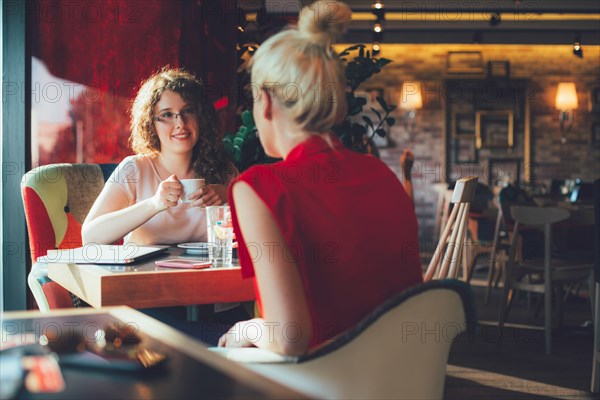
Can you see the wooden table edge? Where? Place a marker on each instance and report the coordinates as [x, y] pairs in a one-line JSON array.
[[175, 339]]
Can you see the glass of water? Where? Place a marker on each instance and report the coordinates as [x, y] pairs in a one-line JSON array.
[[220, 235]]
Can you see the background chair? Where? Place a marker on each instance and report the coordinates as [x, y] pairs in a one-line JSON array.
[[453, 237], [498, 251], [57, 198], [444, 195], [442, 208], [482, 214], [595, 295], [399, 351], [536, 275]]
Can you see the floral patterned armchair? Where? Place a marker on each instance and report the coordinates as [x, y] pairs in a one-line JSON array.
[[57, 198]]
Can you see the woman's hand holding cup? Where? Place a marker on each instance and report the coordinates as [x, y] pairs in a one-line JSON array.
[[209, 195], [168, 193], [191, 190]]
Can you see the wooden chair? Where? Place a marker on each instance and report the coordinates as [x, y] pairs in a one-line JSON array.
[[398, 351], [535, 275], [452, 239], [507, 197], [442, 209], [500, 247], [595, 294], [57, 198], [497, 256], [475, 246], [444, 195]]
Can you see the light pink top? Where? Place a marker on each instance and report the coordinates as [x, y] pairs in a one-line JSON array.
[[139, 179]]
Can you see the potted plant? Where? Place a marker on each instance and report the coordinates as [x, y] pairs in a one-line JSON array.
[[355, 132]]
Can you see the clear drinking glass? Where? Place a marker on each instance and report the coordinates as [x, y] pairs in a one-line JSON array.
[[220, 235]]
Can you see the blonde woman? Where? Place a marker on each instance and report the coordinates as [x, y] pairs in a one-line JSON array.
[[328, 234], [174, 133]]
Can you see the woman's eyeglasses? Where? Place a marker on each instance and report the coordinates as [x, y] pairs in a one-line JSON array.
[[169, 117]]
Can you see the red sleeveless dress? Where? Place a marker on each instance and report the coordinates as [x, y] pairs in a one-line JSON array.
[[348, 224]]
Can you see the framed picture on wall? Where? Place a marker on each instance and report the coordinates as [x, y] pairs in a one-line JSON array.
[[594, 103], [507, 170], [465, 151], [595, 135], [463, 125], [494, 129], [596, 95], [464, 62], [498, 69]]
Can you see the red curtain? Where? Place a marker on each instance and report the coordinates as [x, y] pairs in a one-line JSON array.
[[110, 47]]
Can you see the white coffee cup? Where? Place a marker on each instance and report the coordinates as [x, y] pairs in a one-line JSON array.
[[189, 187]]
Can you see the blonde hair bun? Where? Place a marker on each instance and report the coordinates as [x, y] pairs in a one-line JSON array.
[[324, 21]]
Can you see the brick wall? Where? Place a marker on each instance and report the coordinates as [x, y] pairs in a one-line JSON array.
[[542, 66]]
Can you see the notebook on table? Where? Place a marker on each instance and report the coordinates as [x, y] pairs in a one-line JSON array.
[[103, 254]]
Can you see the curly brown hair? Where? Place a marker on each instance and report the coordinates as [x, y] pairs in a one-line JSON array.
[[210, 160]]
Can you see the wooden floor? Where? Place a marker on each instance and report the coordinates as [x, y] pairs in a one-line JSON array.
[[488, 364]]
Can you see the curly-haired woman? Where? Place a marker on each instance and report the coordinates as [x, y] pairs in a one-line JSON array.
[[174, 133]]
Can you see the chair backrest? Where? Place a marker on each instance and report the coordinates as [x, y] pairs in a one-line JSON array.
[[445, 201], [512, 196], [452, 239], [399, 351], [57, 198], [442, 208], [542, 217], [597, 239]]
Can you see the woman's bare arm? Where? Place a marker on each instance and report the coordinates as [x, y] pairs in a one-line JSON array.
[[286, 326], [111, 217]]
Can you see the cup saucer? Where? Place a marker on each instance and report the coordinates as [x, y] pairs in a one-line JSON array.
[[195, 247]]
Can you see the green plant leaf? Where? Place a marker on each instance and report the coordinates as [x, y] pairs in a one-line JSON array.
[[360, 65], [361, 101], [247, 118], [349, 49], [382, 102], [376, 113], [380, 132], [355, 104]]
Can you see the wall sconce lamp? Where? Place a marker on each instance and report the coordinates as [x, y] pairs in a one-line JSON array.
[[566, 102], [411, 101]]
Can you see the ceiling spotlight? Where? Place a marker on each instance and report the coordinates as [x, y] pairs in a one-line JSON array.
[[377, 27], [577, 49], [376, 48], [495, 19], [377, 5]]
